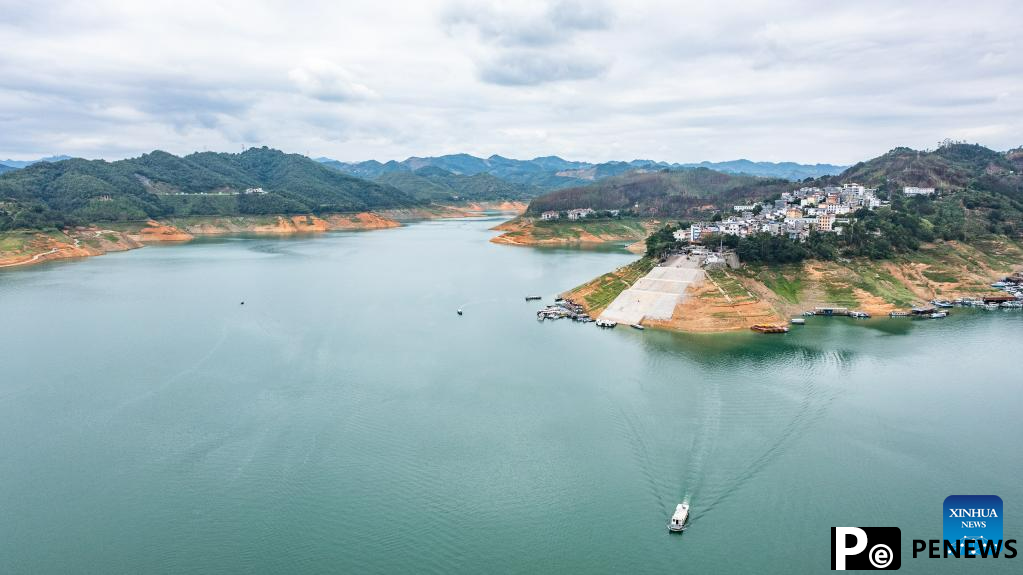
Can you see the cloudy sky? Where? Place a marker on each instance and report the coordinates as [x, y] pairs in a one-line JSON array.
[[589, 80]]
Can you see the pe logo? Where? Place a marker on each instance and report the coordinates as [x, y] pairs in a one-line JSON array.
[[866, 548], [976, 518]]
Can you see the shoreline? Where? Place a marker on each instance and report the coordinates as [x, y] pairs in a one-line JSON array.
[[528, 231], [38, 246], [735, 299]]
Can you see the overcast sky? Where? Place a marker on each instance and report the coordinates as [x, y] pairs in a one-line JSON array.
[[586, 80]]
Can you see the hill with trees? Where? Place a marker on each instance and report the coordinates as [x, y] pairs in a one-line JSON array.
[[664, 193], [435, 184], [158, 184]]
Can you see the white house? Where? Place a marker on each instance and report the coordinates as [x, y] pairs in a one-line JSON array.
[[915, 191], [579, 213], [551, 215]]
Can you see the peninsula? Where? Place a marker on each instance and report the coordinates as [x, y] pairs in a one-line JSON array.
[[937, 225]]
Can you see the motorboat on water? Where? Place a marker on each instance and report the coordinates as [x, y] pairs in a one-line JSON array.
[[677, 524], [797, 321], [637, 326], [459, 311]]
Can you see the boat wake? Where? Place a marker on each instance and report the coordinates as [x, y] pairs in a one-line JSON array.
[[813, 405]]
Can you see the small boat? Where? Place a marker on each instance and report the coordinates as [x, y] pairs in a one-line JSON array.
[[859, 314], [899, 314], [637, 326], [797, 321], [606, 323], [459, 311], [938, 314], [677, 524], [533, 297], [941, 303], [809, 313], [765, 328]]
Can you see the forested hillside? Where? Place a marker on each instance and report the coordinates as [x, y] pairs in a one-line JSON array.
[[438, 185], [257, 181], [665, 193]]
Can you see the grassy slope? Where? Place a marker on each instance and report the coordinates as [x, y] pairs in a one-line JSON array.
[[598, 293], [945, 270], [528, 231]]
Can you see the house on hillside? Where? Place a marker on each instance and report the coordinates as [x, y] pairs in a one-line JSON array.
[[550, 215], [915, 191], [579, 213]]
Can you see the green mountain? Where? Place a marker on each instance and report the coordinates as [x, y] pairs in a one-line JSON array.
[[78, 191], [979, 188], [435, 184], [952, 166], [665, 193]]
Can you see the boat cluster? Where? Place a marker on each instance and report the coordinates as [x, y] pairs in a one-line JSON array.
[[565, 308]]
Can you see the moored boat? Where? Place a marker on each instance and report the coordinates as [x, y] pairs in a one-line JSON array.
[[899, 314], [765, 328], [859, 314], [533, 297], [637, 326], [797, 321], [677, 524]]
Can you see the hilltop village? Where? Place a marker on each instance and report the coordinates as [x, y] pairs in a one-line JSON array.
[[796, 213]]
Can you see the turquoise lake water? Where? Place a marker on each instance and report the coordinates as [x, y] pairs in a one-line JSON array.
[[346, 420]]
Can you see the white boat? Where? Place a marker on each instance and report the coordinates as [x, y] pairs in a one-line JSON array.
[[938, 314], [637, 326], [678, 520], [797, 321]]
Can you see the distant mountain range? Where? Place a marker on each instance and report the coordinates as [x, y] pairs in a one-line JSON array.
[[552, 172], [433, 184], [16, 164]]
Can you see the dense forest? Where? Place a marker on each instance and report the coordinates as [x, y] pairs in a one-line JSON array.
[[77, 191]]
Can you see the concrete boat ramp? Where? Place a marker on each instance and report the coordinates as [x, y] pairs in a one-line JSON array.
[[655, 295]]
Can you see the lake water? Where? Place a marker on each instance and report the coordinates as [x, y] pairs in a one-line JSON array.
[[346, 420]]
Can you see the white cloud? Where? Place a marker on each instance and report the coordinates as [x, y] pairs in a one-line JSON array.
[[327, 81], [778, 80]]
